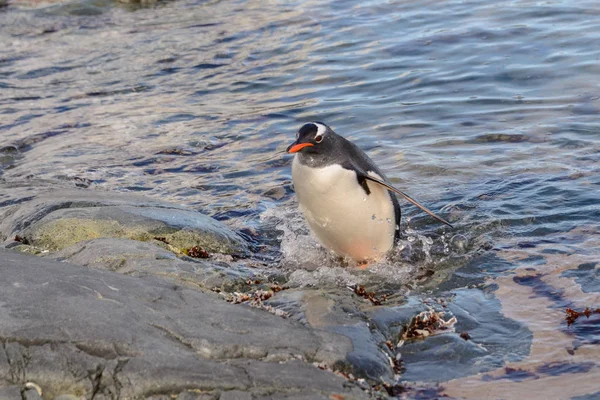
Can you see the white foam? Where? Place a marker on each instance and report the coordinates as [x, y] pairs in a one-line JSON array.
[[310, 264], [299, 249]]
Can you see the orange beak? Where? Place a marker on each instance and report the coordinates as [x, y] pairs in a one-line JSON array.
[[294, 148]]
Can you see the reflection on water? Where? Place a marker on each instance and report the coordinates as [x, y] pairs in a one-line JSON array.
[[486, 112]]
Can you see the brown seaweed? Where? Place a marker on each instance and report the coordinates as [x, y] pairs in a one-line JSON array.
[[21, 239], [572, 315], [197, 252], [371, 296], [427, 323]]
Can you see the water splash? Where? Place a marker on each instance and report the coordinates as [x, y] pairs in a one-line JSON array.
[[308, 263], [297, 247]]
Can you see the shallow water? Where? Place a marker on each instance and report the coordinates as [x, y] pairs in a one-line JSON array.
[[486, 112]]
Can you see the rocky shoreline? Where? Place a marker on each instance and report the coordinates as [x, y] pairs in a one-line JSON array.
[[79, 331], [113, 307], [117, 296]]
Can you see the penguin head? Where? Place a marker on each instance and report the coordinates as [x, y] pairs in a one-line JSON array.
[[313, 138]]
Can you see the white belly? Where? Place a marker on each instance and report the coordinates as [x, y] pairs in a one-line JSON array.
[[341, 214]]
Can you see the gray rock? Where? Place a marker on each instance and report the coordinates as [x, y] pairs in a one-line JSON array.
[[53, 218], [10, 392], [134, 258], [73, 329], [448, 356], [235, 395], [341, 313], [31, 394], [69, 397], [198, 396]]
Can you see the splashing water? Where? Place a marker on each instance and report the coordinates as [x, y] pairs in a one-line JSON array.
[[416, 257]]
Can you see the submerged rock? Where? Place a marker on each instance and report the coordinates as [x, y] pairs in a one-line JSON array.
[[51, 218]]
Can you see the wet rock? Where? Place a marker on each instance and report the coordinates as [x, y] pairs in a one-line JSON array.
[[235, 395], [501, 137], [31, 393], [8, 154], [340, 313], [53, 218], [276, 193], [197, 396], [392, 321], [448, 356], [135, 258], [10, 392], [75, 330]]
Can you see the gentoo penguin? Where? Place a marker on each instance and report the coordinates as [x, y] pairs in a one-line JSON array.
[[347, 201]]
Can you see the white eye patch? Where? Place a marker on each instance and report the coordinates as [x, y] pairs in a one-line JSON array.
[[321, 129]]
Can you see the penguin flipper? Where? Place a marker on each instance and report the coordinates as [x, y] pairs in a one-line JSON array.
[[407, 197]]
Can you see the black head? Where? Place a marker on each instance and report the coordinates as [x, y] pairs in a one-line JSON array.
[[313, 138]]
